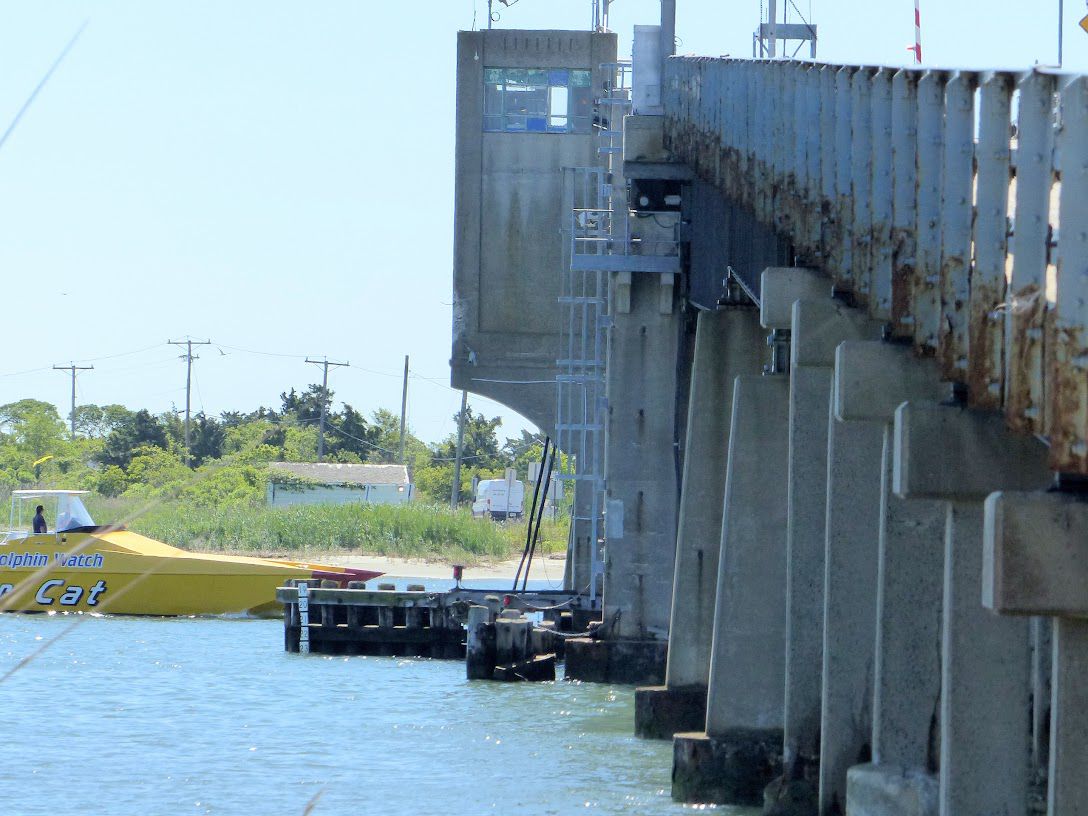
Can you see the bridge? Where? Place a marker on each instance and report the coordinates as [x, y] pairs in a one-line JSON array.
[[843, 510]]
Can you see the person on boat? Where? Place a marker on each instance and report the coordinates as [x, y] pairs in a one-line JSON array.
[[39, 520]]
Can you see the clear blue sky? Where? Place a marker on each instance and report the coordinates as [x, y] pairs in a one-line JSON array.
[[278, 177]]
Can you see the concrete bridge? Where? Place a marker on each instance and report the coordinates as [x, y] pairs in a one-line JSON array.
[[846, 442]]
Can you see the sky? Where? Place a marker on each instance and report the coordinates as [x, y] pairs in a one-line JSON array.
[[277, 177]]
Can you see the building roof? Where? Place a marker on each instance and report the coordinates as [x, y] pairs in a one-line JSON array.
[[331, 473]]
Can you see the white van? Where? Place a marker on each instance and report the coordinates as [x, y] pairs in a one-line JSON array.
[[499, 499]]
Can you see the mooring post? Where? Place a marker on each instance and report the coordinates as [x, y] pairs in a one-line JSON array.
[[480, 650], [304, 617]]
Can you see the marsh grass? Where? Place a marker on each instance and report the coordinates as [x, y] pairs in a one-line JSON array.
[[415, 530]]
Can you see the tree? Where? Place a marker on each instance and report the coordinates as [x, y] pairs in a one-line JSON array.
[[155, 471], [257, 440], [97, 421], [206, 439], [386, 425], [35, 427], [523, 451], [481, 458], [306, 407], [351, 433], [481, 444], [141, 429], [300, 444]]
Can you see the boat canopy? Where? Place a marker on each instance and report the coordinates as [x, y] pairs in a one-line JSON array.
[[64, 510]]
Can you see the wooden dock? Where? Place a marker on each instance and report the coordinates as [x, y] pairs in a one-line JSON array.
[[359, 621]]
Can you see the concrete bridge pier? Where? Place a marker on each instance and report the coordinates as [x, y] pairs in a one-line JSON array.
[[1036, 563], [728, 343], [817, 328], [739, 752], [852, 531], [641, 487], [872, 380], [958, 456]]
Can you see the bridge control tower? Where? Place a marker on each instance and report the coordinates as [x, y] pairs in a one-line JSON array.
[[525, 111]]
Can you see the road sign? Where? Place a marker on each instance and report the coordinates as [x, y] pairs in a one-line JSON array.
[[1084, 22]]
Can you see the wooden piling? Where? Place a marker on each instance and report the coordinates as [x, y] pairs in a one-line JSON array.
[[480, 650]]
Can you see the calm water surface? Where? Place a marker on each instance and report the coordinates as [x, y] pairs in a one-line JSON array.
[[132, 716]]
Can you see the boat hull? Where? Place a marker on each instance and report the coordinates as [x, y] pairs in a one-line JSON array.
[[122, 573]]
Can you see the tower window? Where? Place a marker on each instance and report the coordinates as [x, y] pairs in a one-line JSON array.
[[537, 100]]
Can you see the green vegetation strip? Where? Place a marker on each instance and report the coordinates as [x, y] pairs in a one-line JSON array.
[[404, 531]]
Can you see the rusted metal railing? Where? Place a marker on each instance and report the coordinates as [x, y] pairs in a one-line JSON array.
[[932, 199]]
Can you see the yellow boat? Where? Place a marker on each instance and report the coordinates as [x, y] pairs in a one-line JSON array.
[[84, 567]]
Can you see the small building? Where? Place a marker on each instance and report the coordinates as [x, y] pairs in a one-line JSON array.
[[332, 483]]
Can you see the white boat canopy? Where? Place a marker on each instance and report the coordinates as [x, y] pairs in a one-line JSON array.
[[65, 507]]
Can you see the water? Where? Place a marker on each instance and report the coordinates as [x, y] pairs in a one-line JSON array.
[[209, 716]]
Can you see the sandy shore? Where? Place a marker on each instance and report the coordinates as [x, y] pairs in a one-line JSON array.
[[550, 567]]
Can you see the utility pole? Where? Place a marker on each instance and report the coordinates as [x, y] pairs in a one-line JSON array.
[[188, 357], [455, 493], [324, 400], [403, 409], [73, 368]]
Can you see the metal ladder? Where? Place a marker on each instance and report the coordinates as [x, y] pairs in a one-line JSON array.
[[582, 408]]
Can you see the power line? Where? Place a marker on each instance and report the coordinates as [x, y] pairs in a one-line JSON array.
[[120, 354], [262, 353]]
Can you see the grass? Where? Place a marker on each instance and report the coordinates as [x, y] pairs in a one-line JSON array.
[[405, 531]]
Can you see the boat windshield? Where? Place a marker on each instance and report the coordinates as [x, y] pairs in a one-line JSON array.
[[63, 510]]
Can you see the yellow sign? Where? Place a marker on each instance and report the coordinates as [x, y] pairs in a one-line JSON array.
[[1084, 22]]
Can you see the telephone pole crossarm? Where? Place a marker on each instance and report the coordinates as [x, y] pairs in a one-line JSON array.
[[73, 368], [188, 357], [324, 363]]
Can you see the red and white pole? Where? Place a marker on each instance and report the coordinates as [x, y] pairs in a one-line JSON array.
[[917, 34]]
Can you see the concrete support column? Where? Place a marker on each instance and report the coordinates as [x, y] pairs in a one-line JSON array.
[[985, 684], [818, 326], [740, 750], [854, 456], [907, 680], [959, 456], [1068, 793], [641, 489], [1036, 563], [872, 379], [728, 344]]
